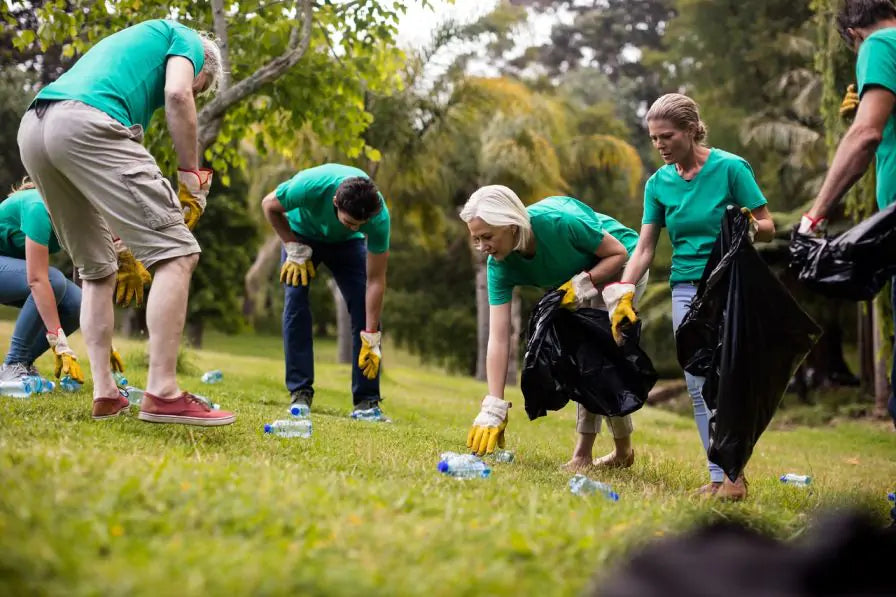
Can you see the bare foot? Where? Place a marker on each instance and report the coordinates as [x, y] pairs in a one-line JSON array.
[[614, 460], [577, 464]]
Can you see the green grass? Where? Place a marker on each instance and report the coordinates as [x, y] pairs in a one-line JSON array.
[[122, 507]]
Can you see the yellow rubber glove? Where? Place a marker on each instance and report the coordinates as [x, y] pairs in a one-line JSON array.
[[577, 290], [115, 362], [850, 103], [619, 298], [192, 191], [371, 353], [130, 280], [298, 267], [488, 427], [754, 223], [66, 361]]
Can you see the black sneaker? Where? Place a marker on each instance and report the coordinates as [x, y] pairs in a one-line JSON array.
[[301, 400], [369, 410]]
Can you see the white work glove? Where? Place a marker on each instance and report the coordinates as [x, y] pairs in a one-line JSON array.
[[488, 426], [298, 267], [619, 298], [66, 362], [577, 290], [192, 191], [813, 227]]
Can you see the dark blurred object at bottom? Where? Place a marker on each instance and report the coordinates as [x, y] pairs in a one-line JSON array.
[[844, 554]]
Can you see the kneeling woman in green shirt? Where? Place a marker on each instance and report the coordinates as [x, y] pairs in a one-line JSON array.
[[688, 196], [556, 242]]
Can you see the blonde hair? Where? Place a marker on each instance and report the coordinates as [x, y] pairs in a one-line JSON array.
[[497, 205], [213, 66], [25, 185], [681, 111]]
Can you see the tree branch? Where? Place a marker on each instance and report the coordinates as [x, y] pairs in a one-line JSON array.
[[299, 41], [221, 33]]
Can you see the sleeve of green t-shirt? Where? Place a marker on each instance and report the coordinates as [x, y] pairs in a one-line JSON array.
[[378, 230], [876, 65], [654, 212], [186, 43], [584, 234], [744, 188], [500, 289], [36, 223]]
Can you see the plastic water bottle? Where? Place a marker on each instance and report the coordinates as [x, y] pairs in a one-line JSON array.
[[798, 480], [582, 485], [68, 384], [463, 466], [19, 388], [503, 456], [41, 385], [213, 376], [120, 380], [374, 414], [289, 428], [134, 394], [208, 401], [300, 411]]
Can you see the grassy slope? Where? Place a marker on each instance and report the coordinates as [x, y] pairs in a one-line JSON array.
[[123, 507]]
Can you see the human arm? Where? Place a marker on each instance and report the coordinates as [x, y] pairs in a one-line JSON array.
[[376, 288], [37, 269], [488, 428], [275, 214], [764, 225], [642, 256], [180, 111], [854, 153]]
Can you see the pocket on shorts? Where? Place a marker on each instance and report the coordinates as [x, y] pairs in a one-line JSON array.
[[154, 195]]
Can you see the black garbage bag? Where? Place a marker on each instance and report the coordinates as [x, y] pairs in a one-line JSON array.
[[746, 335], [571, 355], [854, 265]]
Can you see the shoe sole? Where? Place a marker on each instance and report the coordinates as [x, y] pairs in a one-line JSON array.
[[181, 420], [112, 416]]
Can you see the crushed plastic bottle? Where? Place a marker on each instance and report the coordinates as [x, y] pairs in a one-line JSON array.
[[794, 479], [289, 428], [41, 385], [134, 394], [18, 388], [463, 466], [213, 376], [503, 456], [582, 485], [300, 411], [120, 380], [374, 414], [68, 384]]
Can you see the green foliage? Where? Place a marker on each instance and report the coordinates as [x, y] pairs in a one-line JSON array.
[[13, 100]]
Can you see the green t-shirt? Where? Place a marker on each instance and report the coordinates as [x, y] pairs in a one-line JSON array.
[[692, 210], [307, 198], [124, 74], [567, 233], [876, 67], [22, 215]]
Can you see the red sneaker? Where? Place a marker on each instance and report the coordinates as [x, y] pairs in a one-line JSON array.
[[185, 409], [106, 408]]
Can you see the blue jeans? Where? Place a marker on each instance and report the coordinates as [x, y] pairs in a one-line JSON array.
[[347, 261], [29, 339], [682, 297]]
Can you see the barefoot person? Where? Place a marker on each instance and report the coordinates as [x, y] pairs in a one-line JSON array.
[[48, 300], [688, 197], [323, 215], [558, 241], [869, 28], [80, 141]]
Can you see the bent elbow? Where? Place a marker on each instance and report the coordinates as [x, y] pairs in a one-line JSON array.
[[178, 97]]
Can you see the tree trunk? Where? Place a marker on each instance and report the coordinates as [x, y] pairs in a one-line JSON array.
[[866, 346], [268, 255], [134, 324], [513, 364], [881, 366], [481, 314], [343, 325], [194, 330]]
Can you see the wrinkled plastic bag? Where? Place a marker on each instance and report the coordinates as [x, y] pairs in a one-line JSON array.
[[854, 265], [571, 355], [746, 335]]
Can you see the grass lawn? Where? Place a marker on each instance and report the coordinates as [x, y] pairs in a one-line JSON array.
[[122, 507]]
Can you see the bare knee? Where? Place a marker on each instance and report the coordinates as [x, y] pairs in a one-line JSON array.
[[185, 264]]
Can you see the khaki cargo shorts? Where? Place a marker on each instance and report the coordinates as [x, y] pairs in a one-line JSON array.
[[97, 180]]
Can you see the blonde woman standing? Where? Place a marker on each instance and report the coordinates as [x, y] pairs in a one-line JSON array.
[[688, 196], [558, 241]]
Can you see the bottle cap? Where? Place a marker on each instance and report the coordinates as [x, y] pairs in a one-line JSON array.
[[443, 466], [613, 496], [267, 428]]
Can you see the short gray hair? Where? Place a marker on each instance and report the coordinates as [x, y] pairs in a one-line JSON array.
[[213, 66], [497, 205]]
